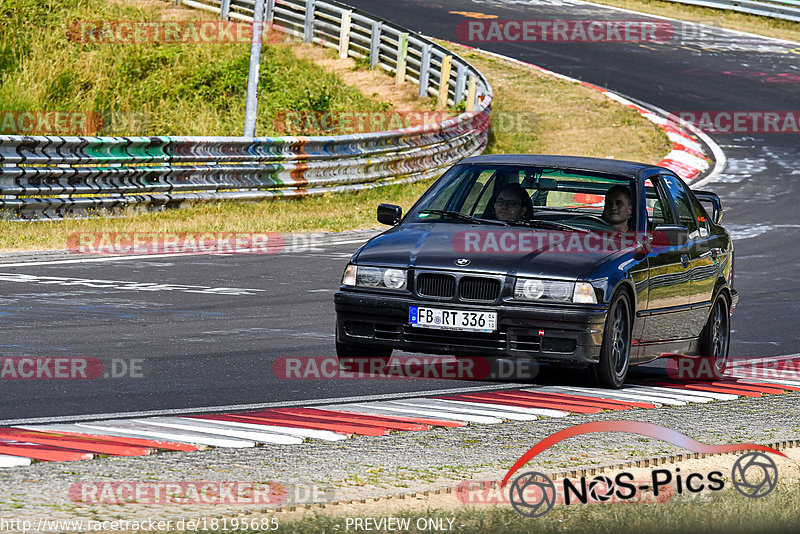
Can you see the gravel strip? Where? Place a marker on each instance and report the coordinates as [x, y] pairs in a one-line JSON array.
[[399, 463]]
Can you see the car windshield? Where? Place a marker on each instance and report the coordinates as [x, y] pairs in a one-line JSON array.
[[521, 195]]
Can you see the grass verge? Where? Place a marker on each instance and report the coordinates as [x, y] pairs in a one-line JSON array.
[[769, 27], [48, 63], [725, 513], [537, 114]]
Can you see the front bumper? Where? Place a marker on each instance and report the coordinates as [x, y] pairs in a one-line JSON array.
[[554, 333]]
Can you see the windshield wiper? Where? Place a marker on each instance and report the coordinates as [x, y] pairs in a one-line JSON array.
[[552, 224], [463, 217]]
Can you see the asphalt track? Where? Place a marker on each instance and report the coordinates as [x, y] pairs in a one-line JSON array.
[[195, 347]]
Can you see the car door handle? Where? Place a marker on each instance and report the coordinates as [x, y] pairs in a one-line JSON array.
[[685, 260]]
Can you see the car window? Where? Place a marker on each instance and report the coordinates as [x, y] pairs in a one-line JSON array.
[[557, 195], [683, 204], [701, 216], [481, 193], [659, 209]]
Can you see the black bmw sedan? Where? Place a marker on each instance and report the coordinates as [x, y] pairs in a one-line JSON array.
[[591, 263]]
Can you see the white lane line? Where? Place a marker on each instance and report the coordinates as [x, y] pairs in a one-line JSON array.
[[688, 394], [766, 373], [123, 284], [244, 407], [403, 407], [543, 412], [496, 411], [13, 461], [259, 436], [600, 394], [103, 259], [746, 362], [325, 435], [410, 411], [778, 381], [138, 428]]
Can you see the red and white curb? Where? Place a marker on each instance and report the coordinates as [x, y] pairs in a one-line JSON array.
[[22, 444], [687, 157]]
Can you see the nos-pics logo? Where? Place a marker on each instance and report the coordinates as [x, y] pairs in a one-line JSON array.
[[533, 494]]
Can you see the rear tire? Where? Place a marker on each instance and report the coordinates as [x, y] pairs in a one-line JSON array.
[[716, 335], [615, 352]]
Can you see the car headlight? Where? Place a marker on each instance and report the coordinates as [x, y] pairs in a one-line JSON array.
[[558, 290], [377, 277]]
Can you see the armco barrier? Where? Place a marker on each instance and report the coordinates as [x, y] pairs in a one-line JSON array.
[[51, 177], [780, 9]]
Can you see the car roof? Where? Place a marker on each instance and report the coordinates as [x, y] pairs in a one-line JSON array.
[[611, 166]]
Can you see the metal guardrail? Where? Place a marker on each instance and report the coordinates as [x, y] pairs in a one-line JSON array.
[[781, 9], [52, 177]]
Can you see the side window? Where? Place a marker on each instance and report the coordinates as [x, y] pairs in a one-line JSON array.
[[479, 195], [701, 215], [659, 210], [683, 204]]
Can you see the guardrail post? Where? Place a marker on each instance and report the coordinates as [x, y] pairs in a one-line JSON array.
[[472, 93], [444, 81], [461, 81], [424, 68], [224, 9], [270, 11], [402, 53], [308, 28], [375, 42], [344, 33], [251, 106]]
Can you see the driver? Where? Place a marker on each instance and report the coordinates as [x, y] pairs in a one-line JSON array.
[[513, 203], [618, 207]]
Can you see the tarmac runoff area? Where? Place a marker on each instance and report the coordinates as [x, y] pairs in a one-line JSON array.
[[397, 469]]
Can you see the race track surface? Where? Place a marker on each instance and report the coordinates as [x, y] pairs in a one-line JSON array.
[[212, 342]]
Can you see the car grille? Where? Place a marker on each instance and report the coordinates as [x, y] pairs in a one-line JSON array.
[[483, 289], [436, 285], [472, 288]]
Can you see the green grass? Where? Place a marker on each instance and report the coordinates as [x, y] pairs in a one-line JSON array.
[[548, 115], [152, 88], [725, 513], [767, 26]]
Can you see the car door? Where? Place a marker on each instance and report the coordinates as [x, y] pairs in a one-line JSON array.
[[702, 262], [668, 269]]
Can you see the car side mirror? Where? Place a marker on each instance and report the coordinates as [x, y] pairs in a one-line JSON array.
[[666, 235], [389, 214]]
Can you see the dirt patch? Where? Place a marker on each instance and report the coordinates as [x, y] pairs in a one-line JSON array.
[[403, 97]]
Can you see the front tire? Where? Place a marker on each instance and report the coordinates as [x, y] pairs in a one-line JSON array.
[[716, 335], [615, 352]]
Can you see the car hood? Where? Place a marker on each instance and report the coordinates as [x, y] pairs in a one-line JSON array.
[[439, 245]]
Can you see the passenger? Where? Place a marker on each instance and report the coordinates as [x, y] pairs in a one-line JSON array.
[[618, 207], [513, 203]]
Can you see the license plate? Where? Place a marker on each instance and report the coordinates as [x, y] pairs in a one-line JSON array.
[[472, 321]]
